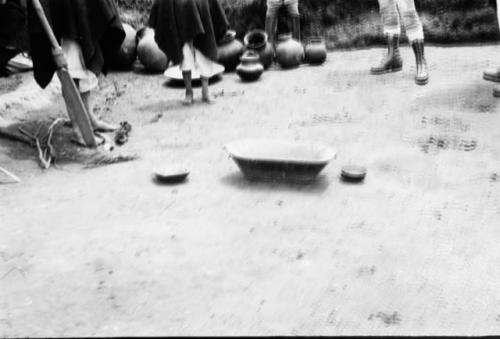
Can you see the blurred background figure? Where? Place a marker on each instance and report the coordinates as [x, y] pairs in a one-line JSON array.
[[273, 9], [12, 23], [391, 12]]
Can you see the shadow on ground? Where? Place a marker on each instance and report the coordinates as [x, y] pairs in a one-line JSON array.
[[238, 181]]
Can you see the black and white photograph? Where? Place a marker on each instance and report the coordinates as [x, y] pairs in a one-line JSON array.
[[249, 168]]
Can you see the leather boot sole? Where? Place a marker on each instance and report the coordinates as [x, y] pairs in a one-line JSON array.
[[422, 82], [387, 70], [490, 77]]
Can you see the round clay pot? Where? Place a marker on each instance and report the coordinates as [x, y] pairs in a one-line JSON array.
[[230, 50], [289, 52], [250, 68], [150, 55], [256, 40], [315, 51], [127, 53]]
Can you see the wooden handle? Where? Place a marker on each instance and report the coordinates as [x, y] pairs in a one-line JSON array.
[[57, 51], [45, 24]]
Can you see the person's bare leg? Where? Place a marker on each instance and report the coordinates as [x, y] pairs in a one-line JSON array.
[[188, 83], [97, 124], [205, 95], [296, 27]]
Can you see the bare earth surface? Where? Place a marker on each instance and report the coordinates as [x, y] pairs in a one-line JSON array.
[[413, 250]]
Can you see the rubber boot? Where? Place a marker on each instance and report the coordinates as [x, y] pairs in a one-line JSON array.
[[271, 27], [422, 75], [188, 83], [296, 27], [392, 62]]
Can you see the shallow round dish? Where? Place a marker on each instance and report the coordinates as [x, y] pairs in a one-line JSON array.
[[353, 173], [175, 73], [170, 174]]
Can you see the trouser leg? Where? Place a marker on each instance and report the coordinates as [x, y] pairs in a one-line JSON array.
[[390, 17], [411, 20], [272, 19], [293, 12]]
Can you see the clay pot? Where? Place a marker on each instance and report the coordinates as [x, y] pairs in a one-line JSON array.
[[315, 51], [289, 52], [250, 68], [127, 53], [256, 40], [150, 55], [230, 50]]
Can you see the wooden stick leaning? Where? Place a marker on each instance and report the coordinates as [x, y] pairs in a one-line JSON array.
[[9, 174], [74, 103]]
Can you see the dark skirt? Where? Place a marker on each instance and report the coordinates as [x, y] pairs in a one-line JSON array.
[[94, 24], [179, 21]]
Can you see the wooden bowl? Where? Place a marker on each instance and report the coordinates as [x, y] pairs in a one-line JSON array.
[[280, 160]]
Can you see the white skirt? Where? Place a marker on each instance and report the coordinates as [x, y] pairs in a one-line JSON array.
[[193, 59], [76, 66]]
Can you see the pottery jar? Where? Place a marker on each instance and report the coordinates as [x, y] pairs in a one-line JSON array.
[[315, 51], [230, 50], [289, 52], [257, 40], [150, 55], [250, 68], [127, 53]]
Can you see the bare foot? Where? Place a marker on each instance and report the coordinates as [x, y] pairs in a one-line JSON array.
[[188, 100], [78, 139], [208, 99], [102, 126]]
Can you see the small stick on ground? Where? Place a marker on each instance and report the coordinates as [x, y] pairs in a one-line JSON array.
[[10, 174], [104, 160], [46, 155]]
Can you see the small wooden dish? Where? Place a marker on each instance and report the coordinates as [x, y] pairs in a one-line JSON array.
[[353, 173], [171, 175]]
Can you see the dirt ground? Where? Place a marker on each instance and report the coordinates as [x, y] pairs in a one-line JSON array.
[[412, 250]]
